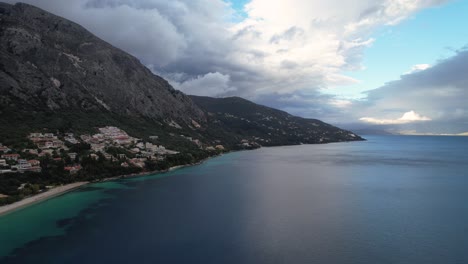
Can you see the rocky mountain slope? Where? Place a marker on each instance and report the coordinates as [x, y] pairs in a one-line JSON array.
[[267, 126], [50, 63]]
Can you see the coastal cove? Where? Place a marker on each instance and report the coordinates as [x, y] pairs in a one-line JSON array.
[[391, 197]]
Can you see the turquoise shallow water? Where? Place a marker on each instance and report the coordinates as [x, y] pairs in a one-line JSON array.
[[38, 220], [49, 218], [391, 199]]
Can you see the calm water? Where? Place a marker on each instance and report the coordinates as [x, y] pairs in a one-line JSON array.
[[390, 199]]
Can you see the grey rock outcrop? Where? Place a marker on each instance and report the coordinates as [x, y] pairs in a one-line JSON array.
[[48, 62]]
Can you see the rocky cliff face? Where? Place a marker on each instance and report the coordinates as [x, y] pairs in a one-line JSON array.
[[48, 62]]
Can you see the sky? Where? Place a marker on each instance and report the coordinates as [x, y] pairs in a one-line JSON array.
[[394, 65]]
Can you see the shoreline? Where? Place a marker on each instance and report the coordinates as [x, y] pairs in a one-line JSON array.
[[51, 193], [62, 189], [6, 209]]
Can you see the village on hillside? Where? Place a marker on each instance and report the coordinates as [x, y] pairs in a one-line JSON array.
[[111, 143], [44, 160]]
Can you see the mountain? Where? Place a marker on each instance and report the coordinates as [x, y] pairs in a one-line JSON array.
[[265, 125], [57, 76], [50, 63]]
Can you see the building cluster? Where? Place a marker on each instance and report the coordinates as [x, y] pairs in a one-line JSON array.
[[214, 148], [115, 137], [70, 138], [148, 151], [131, 151], [12, 162], [108, 136], [47, 141], [249, 144]]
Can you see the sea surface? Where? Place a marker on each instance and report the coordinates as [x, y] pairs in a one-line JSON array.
[[391, 199]]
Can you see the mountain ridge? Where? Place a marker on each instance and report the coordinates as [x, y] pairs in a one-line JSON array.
[[271, 126]]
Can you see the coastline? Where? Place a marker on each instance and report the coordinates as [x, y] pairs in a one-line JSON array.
[[5, 209], [59, 190]]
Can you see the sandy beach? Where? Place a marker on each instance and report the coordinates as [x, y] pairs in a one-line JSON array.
[[40, 197], [69, 187]]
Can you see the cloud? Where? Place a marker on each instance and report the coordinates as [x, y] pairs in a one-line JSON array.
[[280, 47], [284, 54], [341, 103], [209, 84], [440, 92], [407, 117], [158, 32], [418, 67], [288, 35], [312, 104]]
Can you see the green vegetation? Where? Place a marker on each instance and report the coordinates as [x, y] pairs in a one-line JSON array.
[[233, 119], [233, 123], [20, 185], [53, 174], [91, 166]]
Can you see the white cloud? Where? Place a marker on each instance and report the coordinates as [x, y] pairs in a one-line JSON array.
[[340, 103], [440, 92], [280, 47], [418, 67], [308, 44], [407, 117], [211, 84], [412, 116]]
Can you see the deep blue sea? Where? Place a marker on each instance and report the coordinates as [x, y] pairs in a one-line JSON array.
[[391, 199]]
